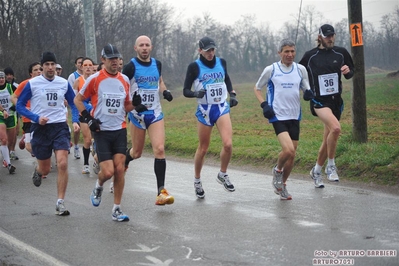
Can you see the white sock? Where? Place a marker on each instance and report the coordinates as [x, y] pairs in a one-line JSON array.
[[6, 153], [221, 174], [197, 180], [331, 161], [59, 201], [317, 168], [97, 184], [116, 207]]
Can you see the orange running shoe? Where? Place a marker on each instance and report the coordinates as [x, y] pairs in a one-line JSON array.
[[164, 198]]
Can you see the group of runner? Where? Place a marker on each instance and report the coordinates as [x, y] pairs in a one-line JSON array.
[[102, 97]]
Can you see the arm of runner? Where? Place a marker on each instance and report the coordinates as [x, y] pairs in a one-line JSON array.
[[69, 96], [24, 97], [165, 92], [191, 75]]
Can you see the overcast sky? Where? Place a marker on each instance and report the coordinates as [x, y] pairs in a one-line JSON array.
[[276, 12]]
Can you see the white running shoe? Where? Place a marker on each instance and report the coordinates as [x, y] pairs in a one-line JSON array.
[[331, 172], [96, 167], [76, 152], [13, 156], [119, 216], [317, 178], [199, 191], [284, 195], [225, 181], [60, 209], [111, 187], [86, 169], [93, 147], [277, 180]]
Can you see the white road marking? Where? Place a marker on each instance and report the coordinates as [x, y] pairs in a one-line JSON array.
[[24, 248]]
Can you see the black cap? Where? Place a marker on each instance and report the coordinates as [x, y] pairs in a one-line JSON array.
[[326, 30], [110, 51], [48, 56], [9, 71], [206, 43]]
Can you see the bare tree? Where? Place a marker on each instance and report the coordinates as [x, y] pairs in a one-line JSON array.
[[29, 27], [390, 41]]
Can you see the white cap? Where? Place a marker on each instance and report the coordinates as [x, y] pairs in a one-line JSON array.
[[58, 66]]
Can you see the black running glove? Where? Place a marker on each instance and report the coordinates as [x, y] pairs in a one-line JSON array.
[[233, 100], [136, 102], [94, 124], [199, 94], [267, 110], [140, 108], [308, 95], [167, 95]]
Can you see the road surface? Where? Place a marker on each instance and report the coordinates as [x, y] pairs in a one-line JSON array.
[[337, 225]]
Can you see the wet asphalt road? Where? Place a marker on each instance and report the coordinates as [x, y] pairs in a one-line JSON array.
[[250, 226]]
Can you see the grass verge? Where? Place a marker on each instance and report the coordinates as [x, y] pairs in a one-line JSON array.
[[254, 141]]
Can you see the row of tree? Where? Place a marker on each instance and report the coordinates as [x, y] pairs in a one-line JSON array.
[[29, 27]]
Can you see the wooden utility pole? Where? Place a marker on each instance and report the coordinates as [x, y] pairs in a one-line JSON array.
[[359, 108], [90, 35]]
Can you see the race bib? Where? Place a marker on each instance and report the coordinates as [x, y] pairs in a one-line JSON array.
[[5, 99], [216, 93], [148, 97], [51, 98], [328, 84], [113, 104], [5, 103]]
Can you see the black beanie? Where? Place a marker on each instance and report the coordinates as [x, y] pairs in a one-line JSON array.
[[48, 56], [9, 71]]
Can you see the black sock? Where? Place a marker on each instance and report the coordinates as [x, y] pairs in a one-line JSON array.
[[160, 169], [86, 155], [128, 157]]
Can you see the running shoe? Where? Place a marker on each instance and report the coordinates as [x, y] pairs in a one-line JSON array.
[[225, 181], [96, 167], [199, 191], [93, 147], [277, 180], [128, 159], [331, 172], [11, 168], [111, 187], [119, 216], [76, 152], [164, 198], [284, 195], [86, 169], [36, 178], [95, 196], [13, 156], [317, 178], [60, 209]]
